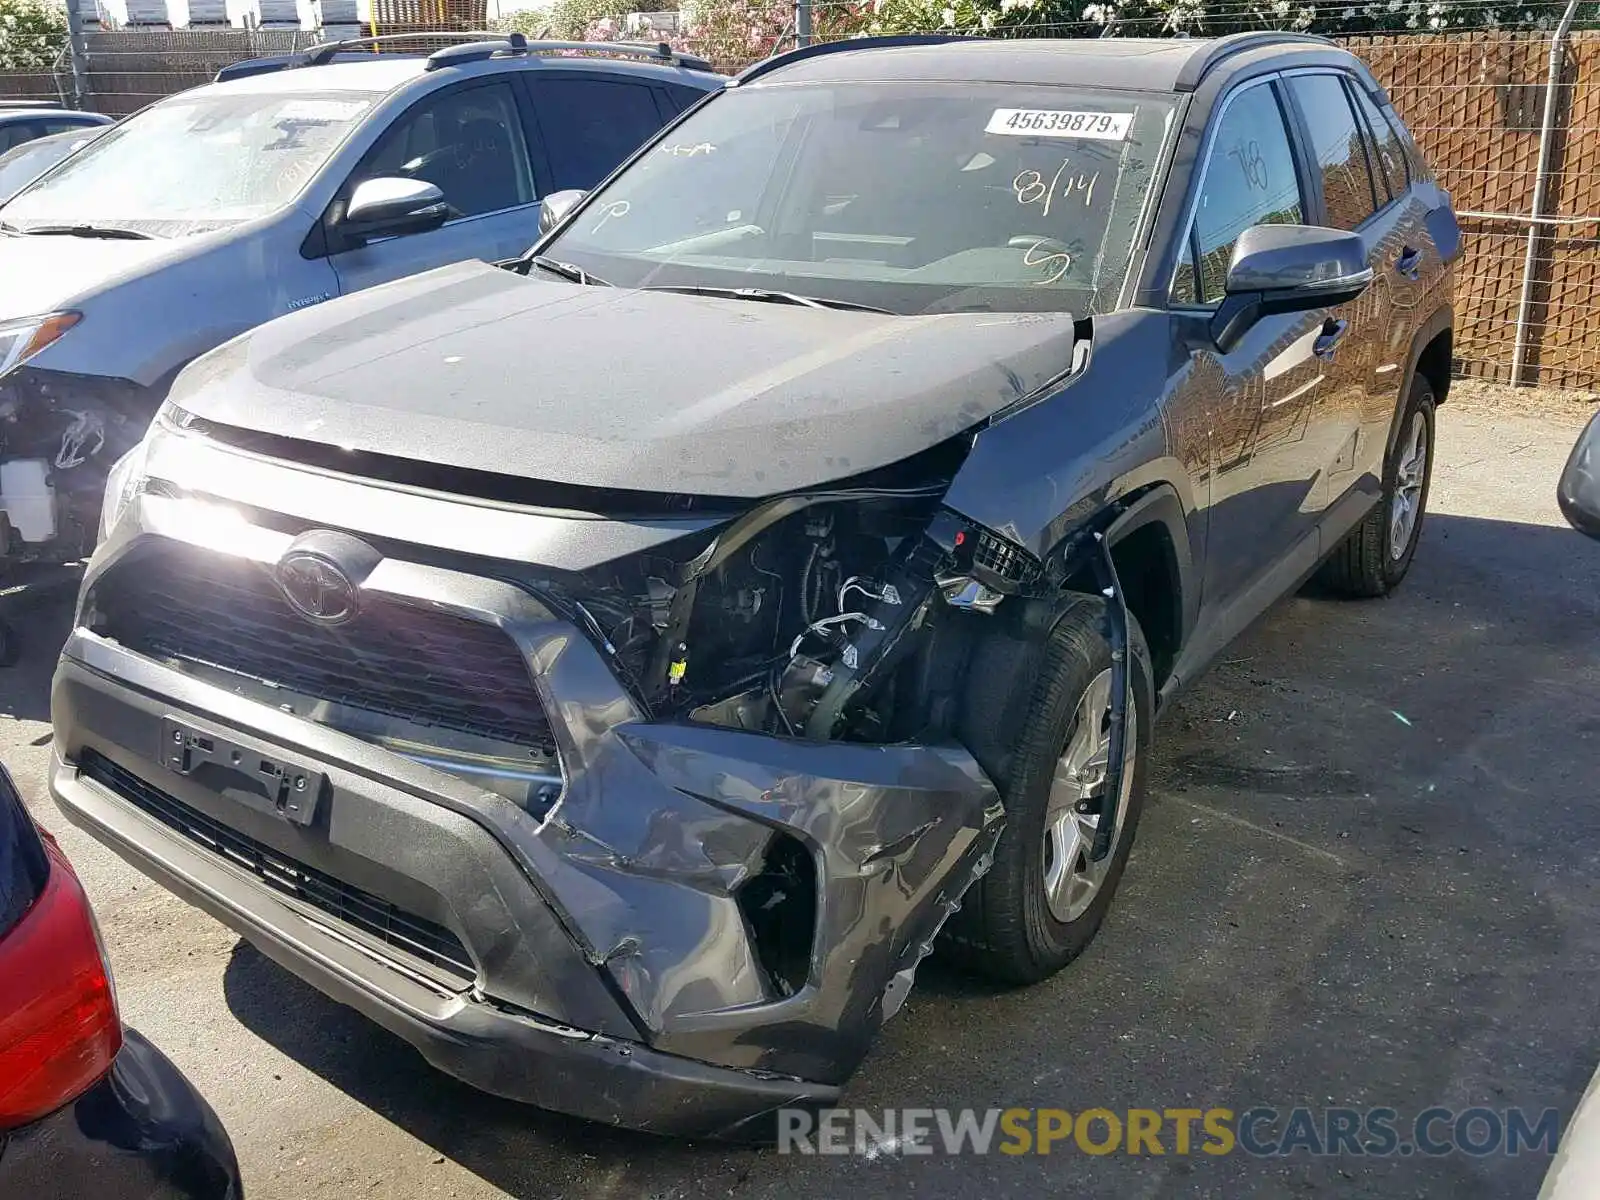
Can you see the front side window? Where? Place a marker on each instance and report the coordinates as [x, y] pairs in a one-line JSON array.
[[468, 144], [908, 197], [195, 162], [1336, 144], [1249, 180]]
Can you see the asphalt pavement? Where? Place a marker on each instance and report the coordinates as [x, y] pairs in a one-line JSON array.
[[1366, 877]]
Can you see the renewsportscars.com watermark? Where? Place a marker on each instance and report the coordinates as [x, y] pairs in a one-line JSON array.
[[1261, 1131]]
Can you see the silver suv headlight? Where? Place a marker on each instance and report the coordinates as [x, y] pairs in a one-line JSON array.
[[123, 482], [21, 339]]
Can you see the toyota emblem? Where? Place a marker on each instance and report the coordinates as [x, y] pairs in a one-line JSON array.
[[316, 588]]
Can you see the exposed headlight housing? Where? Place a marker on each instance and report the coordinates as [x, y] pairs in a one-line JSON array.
[[21, 339], [123, 482]]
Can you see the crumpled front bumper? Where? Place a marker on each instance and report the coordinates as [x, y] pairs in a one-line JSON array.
[[615, 974]]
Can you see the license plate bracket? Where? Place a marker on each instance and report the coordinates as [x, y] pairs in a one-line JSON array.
[[262, 779]]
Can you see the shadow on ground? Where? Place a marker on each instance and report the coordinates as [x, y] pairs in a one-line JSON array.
[[42, 629]]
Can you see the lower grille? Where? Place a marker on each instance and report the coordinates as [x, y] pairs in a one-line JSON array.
[[427, 668], [351, 906]]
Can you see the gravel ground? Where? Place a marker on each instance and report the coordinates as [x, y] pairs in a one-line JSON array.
[[1366, 877]]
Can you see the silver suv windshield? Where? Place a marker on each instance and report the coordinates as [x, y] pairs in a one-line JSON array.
[[910, 197], [194, 163]]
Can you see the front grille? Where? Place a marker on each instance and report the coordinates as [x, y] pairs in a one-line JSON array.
[[351, 906], [429, 668]]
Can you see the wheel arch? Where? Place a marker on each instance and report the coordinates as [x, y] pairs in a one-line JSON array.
[[1150, 547], [1430, 355]]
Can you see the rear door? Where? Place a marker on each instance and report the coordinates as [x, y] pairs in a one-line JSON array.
[[1352, 195], [1410, 259], [470, 141], [589, 123]]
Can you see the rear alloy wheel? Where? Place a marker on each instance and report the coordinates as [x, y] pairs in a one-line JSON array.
[[1038, 719], [1375, 556]]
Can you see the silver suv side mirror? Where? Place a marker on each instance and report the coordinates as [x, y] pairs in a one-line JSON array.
[[556, 206], [1578, 493], [1288, 268], [389, 206]]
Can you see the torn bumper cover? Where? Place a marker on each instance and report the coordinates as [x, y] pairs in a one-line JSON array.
[[708, 925]]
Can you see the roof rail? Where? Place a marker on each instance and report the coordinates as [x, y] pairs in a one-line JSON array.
[[255, 66], [11, 105], [766, 65], [658, 52], [1209, 54], [451, 56], [323, 53]]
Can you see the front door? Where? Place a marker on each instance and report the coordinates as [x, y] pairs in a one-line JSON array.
[[1262, 394], [469, 141]]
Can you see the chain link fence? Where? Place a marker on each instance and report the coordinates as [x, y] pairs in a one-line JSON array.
[[1528, 288]]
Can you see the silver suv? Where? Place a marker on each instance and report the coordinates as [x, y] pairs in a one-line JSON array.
[[233, 203]]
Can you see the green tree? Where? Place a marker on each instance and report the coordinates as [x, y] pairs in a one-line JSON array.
[[32, 34], [1210, 18]]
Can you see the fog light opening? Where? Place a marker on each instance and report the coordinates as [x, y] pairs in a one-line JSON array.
[[779, 906]]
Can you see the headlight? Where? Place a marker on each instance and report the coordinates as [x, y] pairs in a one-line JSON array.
[[21, 340], [122, 485]]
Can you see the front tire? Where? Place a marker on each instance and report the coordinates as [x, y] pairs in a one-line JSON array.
[[1375, 556], [1036, 718]]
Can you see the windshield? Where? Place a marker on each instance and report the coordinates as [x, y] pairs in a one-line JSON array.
[[907, 197], [21, 166], [194, 163]]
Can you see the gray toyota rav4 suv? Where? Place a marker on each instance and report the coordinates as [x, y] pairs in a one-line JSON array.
[[616, 670]]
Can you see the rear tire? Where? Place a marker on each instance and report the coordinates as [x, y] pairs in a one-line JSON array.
[[1024, 720], [1375, 556]]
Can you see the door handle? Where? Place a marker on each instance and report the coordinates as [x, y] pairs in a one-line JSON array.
[[1409, 264], [1332, 334]]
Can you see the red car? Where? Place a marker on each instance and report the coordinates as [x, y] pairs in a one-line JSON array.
[[87, 1106]]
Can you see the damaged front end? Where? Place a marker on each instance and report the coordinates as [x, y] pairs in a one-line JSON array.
[[59, 436], [716, 736]]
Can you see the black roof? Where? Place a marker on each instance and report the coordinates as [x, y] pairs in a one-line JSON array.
[[1139, 64]]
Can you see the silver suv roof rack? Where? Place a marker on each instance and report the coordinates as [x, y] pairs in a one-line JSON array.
[[517, 44], [323, 53], [476, 45]]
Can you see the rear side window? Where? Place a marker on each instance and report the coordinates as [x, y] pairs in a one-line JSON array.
[[591, 125], [680, 98], [1249, 180], [1336, 144], [23, 866], [1390, 151]]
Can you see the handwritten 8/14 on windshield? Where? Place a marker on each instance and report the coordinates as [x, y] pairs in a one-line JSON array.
[[1031, 188]]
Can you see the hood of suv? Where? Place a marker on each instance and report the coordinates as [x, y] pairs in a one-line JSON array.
[[41, 274], [475, 367]]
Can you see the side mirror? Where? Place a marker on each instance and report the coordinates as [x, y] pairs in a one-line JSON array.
[[556, 206], [390, 206], [1578, 493], [1288, 268]]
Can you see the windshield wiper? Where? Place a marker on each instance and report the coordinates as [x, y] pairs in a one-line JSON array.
[[8, 227], [566, 270], [768, 296], [88, 231]]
